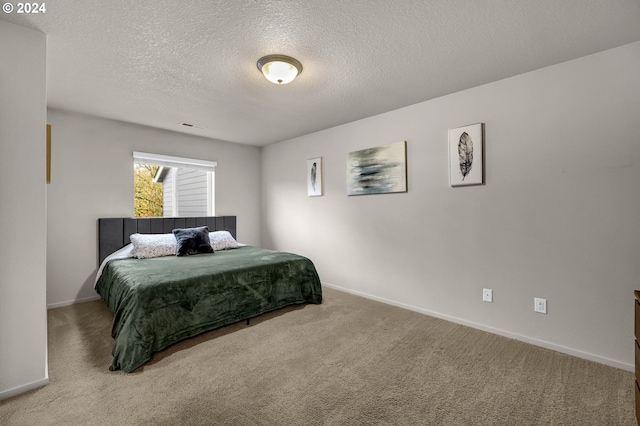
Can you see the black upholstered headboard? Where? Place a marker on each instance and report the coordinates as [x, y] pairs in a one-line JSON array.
[[113, 233]]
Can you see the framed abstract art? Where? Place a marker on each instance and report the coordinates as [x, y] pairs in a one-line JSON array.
[[378, 170]]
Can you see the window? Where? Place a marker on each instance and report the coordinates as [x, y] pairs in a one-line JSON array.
[[173, 186]]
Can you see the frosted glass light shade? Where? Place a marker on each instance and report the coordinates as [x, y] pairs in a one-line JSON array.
[[279, 69]]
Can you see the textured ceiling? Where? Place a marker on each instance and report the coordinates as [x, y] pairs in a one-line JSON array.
[[160, 63]]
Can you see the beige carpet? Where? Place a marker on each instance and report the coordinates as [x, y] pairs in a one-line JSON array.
[[349, 361]]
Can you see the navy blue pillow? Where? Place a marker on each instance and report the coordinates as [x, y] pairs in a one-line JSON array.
[[192, 241]]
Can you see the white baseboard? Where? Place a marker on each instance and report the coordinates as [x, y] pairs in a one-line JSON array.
[[72, 302], [24, 388], [542, 343]]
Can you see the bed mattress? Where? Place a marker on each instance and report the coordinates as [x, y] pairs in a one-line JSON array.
[[159, 301]]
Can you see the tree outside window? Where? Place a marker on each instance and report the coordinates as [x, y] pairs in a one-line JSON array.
[[148, 195]]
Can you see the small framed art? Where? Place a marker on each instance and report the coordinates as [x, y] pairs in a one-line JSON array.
[[48, 155], [466, 155], [314, 177]]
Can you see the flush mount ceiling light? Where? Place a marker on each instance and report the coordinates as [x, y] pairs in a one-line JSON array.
[[279, 69]]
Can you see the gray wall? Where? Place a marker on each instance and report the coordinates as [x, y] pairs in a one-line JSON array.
[[557, 218], [23, 208], [92, 177]]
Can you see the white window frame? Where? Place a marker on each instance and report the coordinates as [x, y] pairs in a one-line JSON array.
[[182, 162]]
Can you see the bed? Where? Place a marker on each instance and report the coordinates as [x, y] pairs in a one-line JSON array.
[[159, 301]]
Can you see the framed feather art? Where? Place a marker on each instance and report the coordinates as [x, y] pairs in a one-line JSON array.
[[314, 177], [466, 155]]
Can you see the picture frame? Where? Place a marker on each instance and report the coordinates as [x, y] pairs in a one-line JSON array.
[[378, 170], [48, 154], [314, 177], [466, 155]]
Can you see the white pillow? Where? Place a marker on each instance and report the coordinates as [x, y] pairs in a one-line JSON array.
[[153, 245], [222, 240]]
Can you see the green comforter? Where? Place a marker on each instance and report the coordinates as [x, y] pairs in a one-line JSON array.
[[160, 301]]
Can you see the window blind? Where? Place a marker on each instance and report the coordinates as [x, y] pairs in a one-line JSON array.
[[171, 161]]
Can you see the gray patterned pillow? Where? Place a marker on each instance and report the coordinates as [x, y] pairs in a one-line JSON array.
[[146, 246], [222, 240]]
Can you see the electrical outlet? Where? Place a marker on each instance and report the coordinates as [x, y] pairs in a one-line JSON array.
[[540, 305], [487, 295]]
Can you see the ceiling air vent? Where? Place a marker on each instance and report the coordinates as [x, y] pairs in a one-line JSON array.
[[193, 126]]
